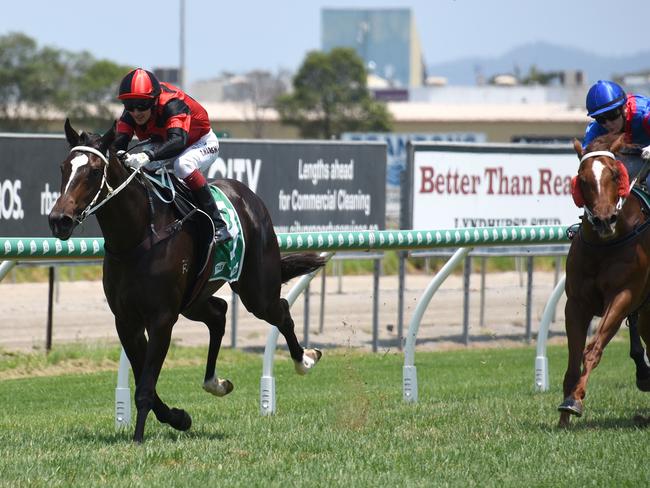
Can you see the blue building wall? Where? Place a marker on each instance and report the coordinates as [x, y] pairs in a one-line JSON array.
[[382, 38]]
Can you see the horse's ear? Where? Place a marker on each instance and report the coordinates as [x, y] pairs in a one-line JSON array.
[[618, 143], [71, 134], [578, 147], [107, 139]]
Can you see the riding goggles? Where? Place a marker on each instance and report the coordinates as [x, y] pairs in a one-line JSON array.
[[607, 116], [138, 104]]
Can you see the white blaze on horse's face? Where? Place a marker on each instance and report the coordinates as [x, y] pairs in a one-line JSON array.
[[76, 163], [597, 168]]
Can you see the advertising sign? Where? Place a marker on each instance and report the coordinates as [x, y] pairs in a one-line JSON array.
[[490, 186], [311, 185], [306, 185]]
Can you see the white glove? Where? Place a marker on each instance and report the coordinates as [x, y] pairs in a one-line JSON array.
[[645, 152], [120, 153], [136, 161]]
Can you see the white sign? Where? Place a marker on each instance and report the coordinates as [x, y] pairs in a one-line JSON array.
[[492, 189]]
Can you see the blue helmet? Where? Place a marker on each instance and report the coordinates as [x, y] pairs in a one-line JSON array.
[[604, 96]]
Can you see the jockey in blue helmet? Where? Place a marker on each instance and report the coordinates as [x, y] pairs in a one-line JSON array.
[[615, 111]]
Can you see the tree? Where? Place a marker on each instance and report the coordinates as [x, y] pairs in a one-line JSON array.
[[41, 79], [331, 97], [262, 88], [538, 77]]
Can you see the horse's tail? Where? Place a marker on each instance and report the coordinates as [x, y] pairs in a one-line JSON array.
[[298, 264]]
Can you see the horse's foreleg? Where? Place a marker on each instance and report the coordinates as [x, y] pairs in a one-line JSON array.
[[212, 312], [145, 391], [638, 355], [607, 328], [577, 325], [134, 343]]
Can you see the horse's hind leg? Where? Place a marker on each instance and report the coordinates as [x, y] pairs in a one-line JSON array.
[[212, 312], [278, 314], [638, 355]]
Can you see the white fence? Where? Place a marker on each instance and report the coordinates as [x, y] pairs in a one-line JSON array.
[[13, 250]]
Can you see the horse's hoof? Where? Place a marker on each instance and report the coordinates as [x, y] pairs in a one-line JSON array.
[[180, 419], [218, 387], [641, 421], [564, 420], [309, 359], [572, 406], [643, 384]]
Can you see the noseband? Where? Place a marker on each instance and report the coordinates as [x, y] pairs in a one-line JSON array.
[[91, 208]]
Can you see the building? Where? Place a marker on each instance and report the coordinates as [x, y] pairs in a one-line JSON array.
[[386, 39]]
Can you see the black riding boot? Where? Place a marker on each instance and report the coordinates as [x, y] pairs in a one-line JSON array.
[[209, 206]]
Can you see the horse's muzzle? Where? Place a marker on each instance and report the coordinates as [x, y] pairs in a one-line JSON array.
[[605, 227], [61, 225]]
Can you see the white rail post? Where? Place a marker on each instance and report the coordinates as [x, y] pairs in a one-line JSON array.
[[541, 360], [123, 394], [5, 267], [409, 372], [267, 381]]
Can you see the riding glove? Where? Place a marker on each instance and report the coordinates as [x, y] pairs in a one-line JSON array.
[[645, 152], [136, 161]]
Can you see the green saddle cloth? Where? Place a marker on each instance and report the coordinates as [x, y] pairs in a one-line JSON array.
[[642, 194], [228, 256]]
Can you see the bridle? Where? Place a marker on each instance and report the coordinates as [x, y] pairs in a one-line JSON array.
[[621, 199], [92, 206]]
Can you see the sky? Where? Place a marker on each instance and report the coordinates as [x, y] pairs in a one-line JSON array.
[[242, 35]]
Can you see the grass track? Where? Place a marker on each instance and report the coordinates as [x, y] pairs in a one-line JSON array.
[[478, 423]]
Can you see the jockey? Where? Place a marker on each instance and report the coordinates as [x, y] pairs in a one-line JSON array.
[[179, 126], [615, 111]]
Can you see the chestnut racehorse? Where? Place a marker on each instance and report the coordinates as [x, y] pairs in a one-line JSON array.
[[147, 280], [607, 270]]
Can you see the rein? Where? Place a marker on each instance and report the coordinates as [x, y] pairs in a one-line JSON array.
[[636, 232], [92, 208]]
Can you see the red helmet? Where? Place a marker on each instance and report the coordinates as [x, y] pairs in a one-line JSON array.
[[139, 83]]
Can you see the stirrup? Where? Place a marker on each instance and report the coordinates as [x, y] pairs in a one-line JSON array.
[[572, 231], [221, 235]]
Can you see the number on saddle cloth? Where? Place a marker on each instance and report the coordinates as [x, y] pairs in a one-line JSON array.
[[228, 256]]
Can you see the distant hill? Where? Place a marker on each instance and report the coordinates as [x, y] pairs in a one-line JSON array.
[[546, 57]]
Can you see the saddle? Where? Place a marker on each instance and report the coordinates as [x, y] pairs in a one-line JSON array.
[[227, 256]]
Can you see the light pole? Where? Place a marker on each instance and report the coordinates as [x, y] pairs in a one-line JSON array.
[[181, 67]]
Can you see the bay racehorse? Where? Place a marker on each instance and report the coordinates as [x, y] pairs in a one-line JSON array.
[[151, 266], [607, 269]]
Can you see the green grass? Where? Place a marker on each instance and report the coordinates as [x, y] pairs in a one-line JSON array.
[[478, 423]]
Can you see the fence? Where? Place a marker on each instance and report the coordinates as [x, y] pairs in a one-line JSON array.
[[17, 249]]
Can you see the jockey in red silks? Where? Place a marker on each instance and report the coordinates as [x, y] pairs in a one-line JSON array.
[[180, 129]]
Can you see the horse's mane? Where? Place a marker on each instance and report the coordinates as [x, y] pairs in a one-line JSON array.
[[88, 139], [604, 142]]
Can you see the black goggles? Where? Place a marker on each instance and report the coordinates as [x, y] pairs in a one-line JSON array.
[[607, 116], [137, 104]]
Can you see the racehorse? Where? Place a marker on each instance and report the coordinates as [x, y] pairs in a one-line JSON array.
[[151, 265], [607, 269]]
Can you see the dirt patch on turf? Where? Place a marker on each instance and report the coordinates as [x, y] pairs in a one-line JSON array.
[[80, 313]]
